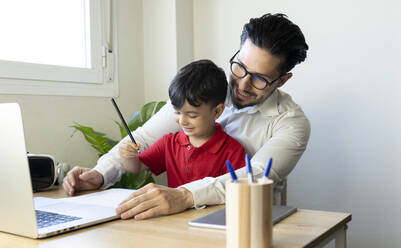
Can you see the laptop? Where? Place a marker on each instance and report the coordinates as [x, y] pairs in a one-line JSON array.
[[218, 219], [17, 209]]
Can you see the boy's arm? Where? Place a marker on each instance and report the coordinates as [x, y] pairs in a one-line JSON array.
[[129, 154], [134, 165], [153, 157]]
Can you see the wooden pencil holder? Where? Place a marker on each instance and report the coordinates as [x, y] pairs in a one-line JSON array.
[[249, 214]]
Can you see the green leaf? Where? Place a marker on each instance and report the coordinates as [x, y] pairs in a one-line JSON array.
[[140, 117], [147, 111], [159, 105], [123, 132], [134, 181], [111, 142], [95, 139], [135, 121], [103, 144]]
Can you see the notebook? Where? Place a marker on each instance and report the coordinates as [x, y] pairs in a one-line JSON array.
[[19, 212], [218, 219]]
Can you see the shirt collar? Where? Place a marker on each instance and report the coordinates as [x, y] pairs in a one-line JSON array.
[[182, 139], [213, 145], [267, 108]]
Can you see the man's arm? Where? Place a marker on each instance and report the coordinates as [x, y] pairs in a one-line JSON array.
[[110, 164], [153, 200], [109, 168], [289, 140], [286, 145]]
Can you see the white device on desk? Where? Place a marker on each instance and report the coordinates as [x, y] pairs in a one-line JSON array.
[[17, 208]]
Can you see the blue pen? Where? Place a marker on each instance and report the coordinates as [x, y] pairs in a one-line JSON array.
[[249, 168], [232, 172], [267, 170]]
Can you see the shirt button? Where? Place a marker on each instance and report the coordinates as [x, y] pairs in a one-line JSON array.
[[188, 148], [190, 159], [188, 170]]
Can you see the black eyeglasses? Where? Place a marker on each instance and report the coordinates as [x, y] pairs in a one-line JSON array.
[[257, 80]]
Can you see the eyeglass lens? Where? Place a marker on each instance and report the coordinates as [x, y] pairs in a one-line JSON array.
[[239, 71]]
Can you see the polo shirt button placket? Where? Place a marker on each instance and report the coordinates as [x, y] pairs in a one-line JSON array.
[[188, 170]]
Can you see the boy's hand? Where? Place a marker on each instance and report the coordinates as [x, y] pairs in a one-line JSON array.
[[129, 150], [129, 153]]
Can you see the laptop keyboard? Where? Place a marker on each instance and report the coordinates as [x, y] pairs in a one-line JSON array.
[[46, 219]]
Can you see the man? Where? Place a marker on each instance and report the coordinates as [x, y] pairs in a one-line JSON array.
[[262, 118]]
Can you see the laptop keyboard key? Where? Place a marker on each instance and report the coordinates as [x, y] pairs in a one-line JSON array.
[[46, 219]]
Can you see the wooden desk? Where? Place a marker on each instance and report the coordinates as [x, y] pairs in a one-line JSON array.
[[305, 228]]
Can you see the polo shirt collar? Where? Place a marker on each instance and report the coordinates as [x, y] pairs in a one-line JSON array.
[[213, 145], [267, 108]]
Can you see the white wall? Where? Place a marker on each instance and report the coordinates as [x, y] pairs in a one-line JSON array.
[[47, 118], [168, 43], [159, 47], [350, 88]]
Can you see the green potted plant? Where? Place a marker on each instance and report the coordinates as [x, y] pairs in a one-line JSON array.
[[103, 144]]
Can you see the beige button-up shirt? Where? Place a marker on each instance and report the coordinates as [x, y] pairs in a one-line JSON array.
[[276, 128]]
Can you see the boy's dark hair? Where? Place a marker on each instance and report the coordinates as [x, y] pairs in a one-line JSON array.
[[198, 82], [279, 36]]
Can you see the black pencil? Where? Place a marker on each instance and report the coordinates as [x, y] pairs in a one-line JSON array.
[[122, 120]]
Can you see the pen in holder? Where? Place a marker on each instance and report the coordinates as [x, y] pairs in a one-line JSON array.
[[249, 214]]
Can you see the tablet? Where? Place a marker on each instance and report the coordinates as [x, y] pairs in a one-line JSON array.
[[218, 219]]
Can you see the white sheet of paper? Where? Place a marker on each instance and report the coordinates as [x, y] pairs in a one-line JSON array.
[[43, 201], [106, 198]]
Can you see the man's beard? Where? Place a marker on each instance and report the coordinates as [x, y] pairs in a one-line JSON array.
[[237, 102]]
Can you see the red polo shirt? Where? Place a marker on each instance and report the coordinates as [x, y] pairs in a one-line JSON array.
[[185, 163]]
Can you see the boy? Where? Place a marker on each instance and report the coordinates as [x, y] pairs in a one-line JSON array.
[[197, 93]]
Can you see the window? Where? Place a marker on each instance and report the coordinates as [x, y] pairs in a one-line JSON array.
[[63, 47]]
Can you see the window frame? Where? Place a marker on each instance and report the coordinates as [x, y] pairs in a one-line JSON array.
[[99, 80]]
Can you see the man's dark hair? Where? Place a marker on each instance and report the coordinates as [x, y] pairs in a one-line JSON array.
[[279, 36], [198, 82]]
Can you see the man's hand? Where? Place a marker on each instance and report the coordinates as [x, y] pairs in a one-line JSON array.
[[79, 179], [152, 200]]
